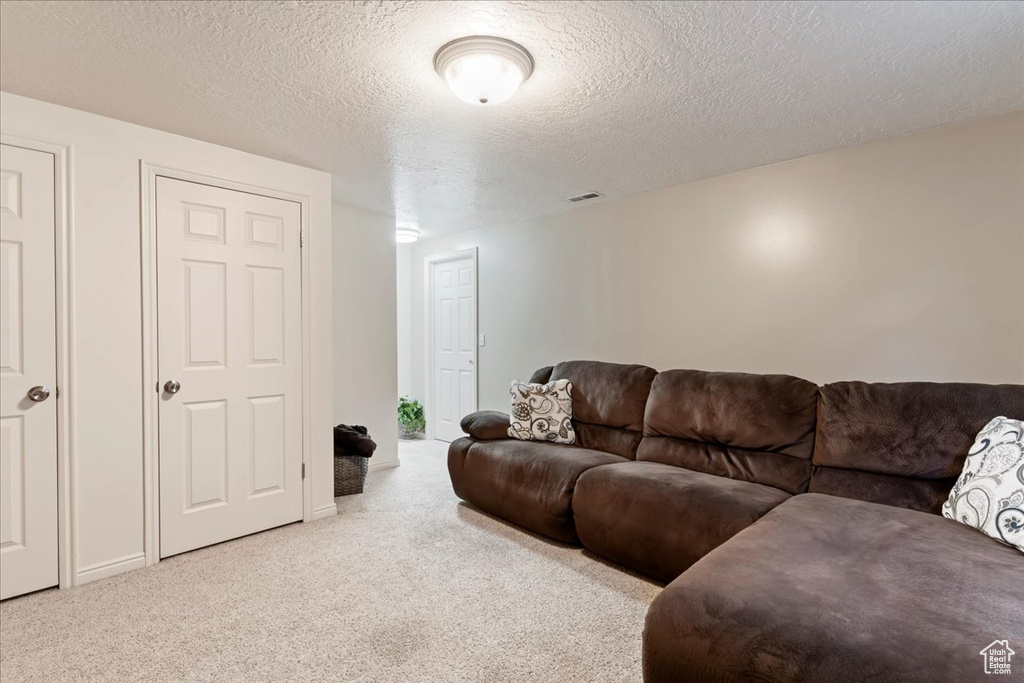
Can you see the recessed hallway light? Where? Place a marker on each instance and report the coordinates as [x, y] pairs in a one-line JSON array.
[[406, 233]]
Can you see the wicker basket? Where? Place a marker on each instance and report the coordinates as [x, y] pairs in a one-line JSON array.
[[349, 474]]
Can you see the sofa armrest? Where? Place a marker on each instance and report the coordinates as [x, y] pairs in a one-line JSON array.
[[487, 425]]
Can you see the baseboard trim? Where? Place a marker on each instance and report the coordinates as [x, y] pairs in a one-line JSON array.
[[105, 569], [324, 512], [376, 465]]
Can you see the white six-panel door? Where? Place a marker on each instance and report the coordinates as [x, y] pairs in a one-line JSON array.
[[28, 373], [454, 347], [229, 319]]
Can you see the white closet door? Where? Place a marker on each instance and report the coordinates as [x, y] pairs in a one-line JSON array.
[[229, 318], [28, 373], [455, 340]]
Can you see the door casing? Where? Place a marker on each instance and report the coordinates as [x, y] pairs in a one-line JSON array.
[[149, 172], [62, 155], [428, 308]]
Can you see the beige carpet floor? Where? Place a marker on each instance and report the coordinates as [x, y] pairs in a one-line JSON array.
[[405, 584]]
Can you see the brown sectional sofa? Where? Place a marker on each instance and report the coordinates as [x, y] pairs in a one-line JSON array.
[[797, 527]]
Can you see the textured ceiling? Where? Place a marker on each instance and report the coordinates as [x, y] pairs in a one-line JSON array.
[[626, 97]]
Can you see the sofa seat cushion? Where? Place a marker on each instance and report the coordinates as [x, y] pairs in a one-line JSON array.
[[529, 483], [824, 588], [658, 519]]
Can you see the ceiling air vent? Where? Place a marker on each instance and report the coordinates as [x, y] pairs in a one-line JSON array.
[[586, 196]]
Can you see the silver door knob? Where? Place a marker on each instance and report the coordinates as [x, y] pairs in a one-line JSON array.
[[172, 387], [38, 394]]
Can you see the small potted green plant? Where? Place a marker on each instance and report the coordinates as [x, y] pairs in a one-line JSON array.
[[410, 418]]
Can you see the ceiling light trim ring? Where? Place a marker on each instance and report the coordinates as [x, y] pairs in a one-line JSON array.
[[490, 45], [406, 234]]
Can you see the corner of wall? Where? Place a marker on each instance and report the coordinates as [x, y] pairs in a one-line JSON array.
[[365, 327]]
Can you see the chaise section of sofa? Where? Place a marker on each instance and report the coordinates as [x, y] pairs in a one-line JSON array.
[[531, 483], [861, 580], [719, 450], [826, 589]]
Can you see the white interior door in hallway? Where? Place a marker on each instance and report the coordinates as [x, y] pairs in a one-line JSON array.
[[453, 292], [229, 362], [28, 373]]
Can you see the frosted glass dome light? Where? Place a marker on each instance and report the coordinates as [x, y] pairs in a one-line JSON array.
[[482, 69]]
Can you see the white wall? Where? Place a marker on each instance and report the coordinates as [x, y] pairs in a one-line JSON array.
[[403, 284], [896, 260], [106, 392], [365, 372]]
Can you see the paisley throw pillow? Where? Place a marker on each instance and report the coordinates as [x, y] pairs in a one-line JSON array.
[[542, 412], [989, 495]]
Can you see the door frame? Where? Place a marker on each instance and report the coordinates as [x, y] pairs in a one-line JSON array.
[[149, 171], [428, 274], [67, 568]]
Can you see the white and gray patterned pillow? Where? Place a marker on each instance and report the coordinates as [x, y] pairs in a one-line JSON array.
[[542, 412], [989, 495]]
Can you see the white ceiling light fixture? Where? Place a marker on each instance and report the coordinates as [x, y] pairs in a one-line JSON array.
[[483, 69], [406, 233]]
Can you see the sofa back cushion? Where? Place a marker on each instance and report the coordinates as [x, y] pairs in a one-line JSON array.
[[608, 402], [902, 444], [757, 428], [541, 375]]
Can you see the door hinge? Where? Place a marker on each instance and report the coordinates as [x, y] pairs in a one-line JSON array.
[[301, 239], [303, 470]]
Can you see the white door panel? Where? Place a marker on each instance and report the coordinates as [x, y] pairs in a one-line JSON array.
[[229, 307], [455, 339], [28, 352]]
